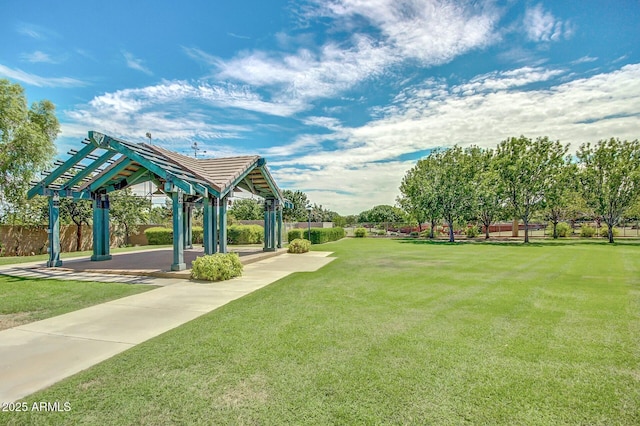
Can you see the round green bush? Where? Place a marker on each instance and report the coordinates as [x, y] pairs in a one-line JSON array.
[[216, 267], [563, 230], [360, 232], [299, 246], [472, 231], [587, 231]]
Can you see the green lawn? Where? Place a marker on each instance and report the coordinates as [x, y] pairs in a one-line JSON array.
[[24, 300], [393, 332]]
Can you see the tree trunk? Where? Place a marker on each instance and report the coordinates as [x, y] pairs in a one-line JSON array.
[[486, 232], [432, 232], [79, 237], [526, 231], [451, 236], [555, 230]]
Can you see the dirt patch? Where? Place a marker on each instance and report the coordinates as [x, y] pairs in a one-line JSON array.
[[14, 320], [245, 393]]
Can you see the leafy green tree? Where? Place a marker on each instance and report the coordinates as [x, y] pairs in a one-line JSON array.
[[560, 196], [127, 211], [79, 212], [610, 178], [247, 209], [26, 142], [299, 212], [382, 213], [454, 177], [488, 200], [523, 167], [419, 193]]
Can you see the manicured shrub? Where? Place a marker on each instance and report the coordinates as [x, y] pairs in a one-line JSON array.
[[299, 246], [245, 234], [159, 235], [295, 233], [197, 234], [472, 231], [216, 267], [324, 235], [587, 231], [414, 234], [360, 232], [563, 229]]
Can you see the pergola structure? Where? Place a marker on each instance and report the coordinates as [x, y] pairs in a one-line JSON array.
[[106, 164]]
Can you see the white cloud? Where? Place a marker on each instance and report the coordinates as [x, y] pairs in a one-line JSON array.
[[439, 115], [136, 64], [543, 26], [431, 32], [36, 80], [38, 57]]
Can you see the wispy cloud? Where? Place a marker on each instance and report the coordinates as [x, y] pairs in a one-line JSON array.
[[36, 80], [431, 32], [135, 63], [38, 57], [436, 114], [541, 25]]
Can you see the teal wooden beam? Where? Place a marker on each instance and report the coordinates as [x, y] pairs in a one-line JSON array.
[[178, 232], [65, 167], [109, 174], [54, 232], [188, 231], [223, 224], [214, 225], [207, 225], [89, 169], [279, 218], [101, 234]]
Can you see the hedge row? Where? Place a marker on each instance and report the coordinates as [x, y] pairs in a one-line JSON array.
[[161, 236], [318, 235], [245, 234]]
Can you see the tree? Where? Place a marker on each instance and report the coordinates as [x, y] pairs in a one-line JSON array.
[[524, 167], [26, 141], [127, 211], [299, 212], [610, 178], [79, 212], [382, 213], [247, 209], [419, 193], [486, 200], [454, 177], [560, 197]]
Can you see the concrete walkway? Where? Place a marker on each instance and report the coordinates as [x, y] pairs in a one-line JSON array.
[[36, 355]]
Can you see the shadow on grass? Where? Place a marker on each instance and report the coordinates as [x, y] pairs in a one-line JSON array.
[[520, 243]]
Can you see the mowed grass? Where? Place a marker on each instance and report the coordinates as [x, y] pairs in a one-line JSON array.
[[393, 332], [24, 300]]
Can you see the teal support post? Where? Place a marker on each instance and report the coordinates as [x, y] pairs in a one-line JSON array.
[[101, 236], [272, 227], [207, 225], [54, 231], [279, 232], [214, 225], [266, 228], [223, 224], [188, 231], [178, 232]]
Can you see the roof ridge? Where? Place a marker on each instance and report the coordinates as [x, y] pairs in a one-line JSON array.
[[159, 150]]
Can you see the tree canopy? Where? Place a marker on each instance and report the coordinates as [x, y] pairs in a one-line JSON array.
[[26, 142]]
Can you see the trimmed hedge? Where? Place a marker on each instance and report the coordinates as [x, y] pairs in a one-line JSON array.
[[318, 235], [216, 267], [296, 234], [299, 246], [245, 234], [159, 235]]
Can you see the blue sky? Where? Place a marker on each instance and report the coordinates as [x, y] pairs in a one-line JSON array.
[[341, 96]]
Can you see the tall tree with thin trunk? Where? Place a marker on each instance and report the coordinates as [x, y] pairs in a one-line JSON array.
[[26, 142], [526, 168], [610, 178]]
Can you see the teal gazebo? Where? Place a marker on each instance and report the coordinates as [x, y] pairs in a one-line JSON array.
[[106, 164]]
